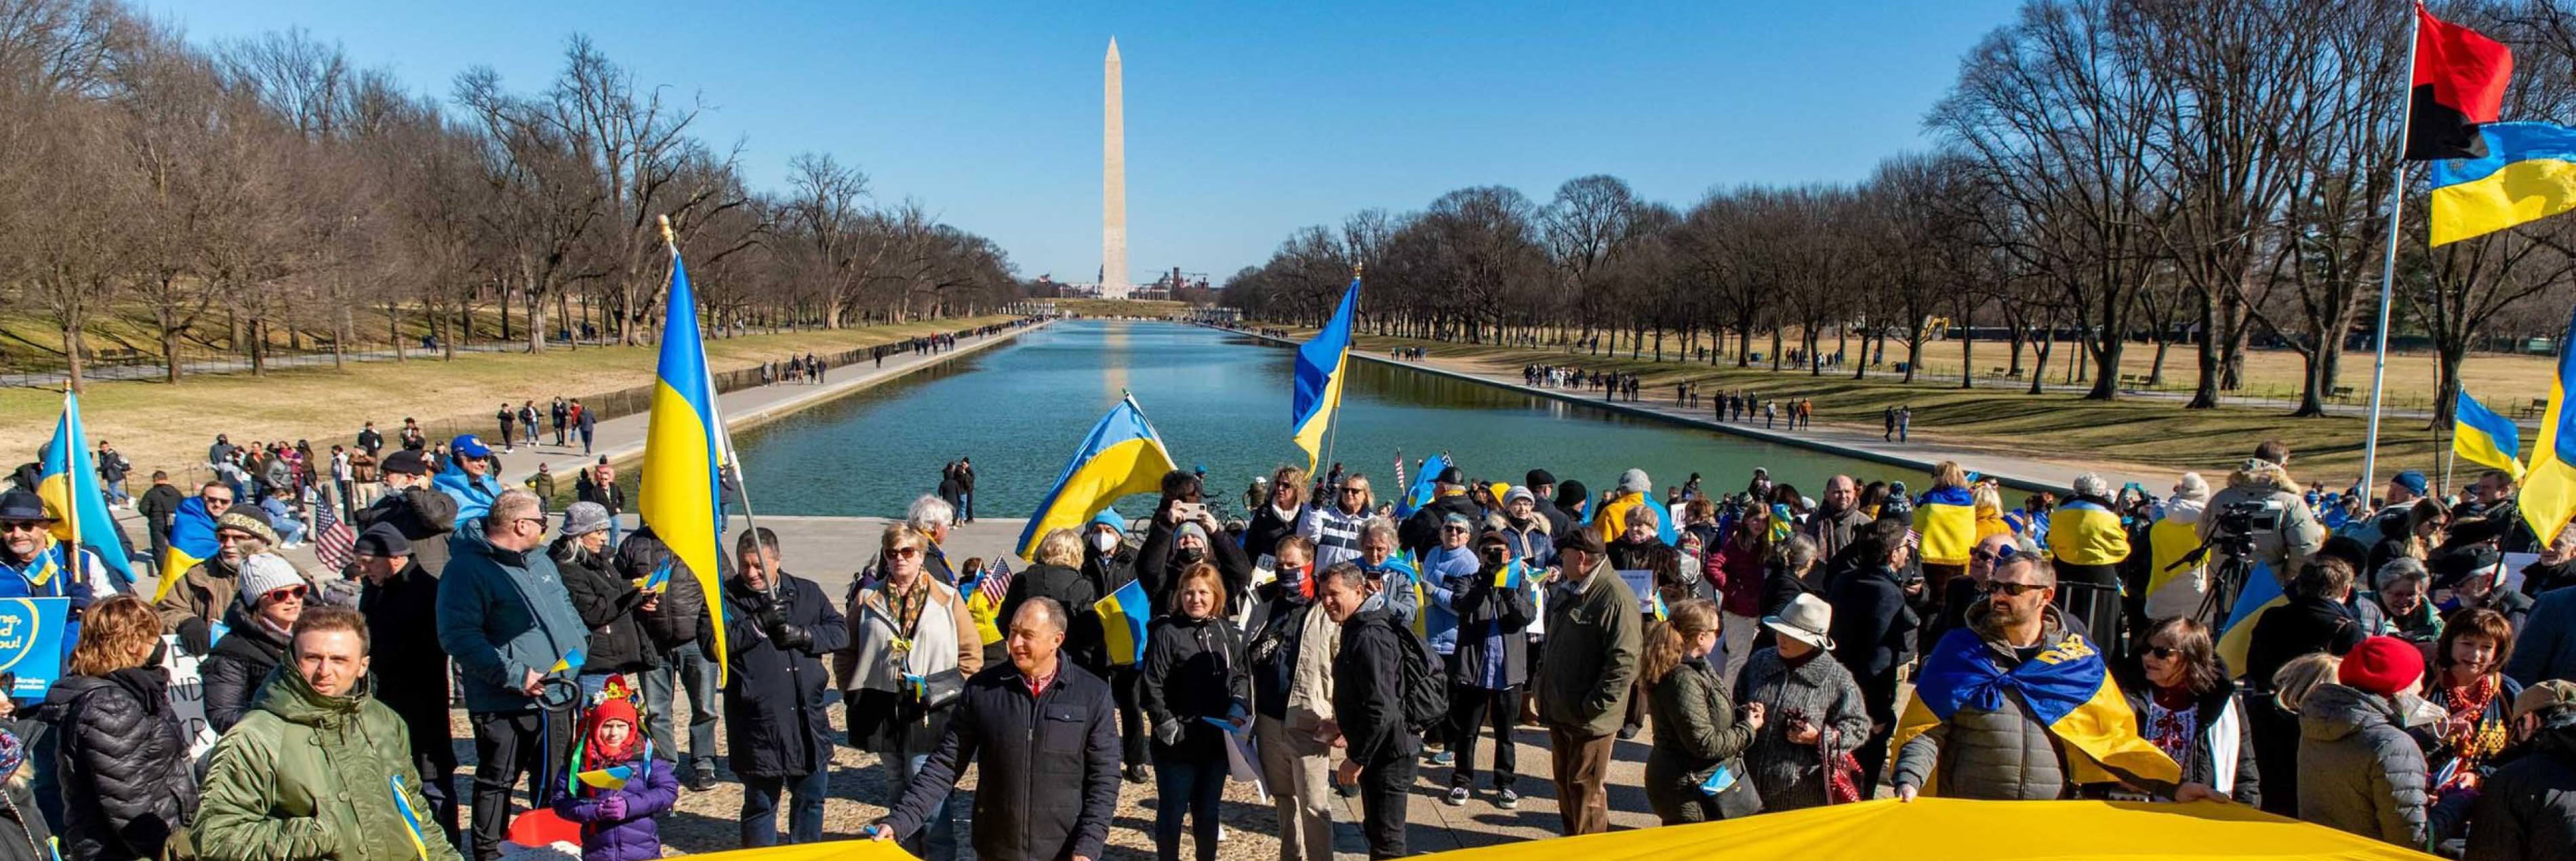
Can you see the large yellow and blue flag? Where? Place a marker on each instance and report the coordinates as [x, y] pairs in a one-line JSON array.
[[2260, 594], [2549, 486], [70, 488], [2528, 173], [2067, 686], [1122, 621], [1947, 520], [1122, 455], [192, 540], [684, 449], [1318, 385], [2480, 436]]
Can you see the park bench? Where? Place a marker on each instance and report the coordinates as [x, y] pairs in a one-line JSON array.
[[2537, 407], [2341, 393], [1995, 372]]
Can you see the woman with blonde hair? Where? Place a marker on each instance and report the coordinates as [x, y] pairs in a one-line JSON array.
[[1276, 517], [1695, 773], [126, 778]]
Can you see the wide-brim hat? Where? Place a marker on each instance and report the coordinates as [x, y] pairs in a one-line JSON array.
[[1805, 620]]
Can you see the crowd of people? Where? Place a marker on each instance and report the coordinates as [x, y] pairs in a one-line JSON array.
[[2409, 686]]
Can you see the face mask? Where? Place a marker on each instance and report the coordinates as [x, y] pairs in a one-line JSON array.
[[1103, 542], [1187, 555]]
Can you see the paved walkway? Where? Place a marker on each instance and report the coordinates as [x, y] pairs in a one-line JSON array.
[[2024, 472]]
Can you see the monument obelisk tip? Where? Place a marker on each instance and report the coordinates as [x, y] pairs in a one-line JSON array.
[[1113, 178]]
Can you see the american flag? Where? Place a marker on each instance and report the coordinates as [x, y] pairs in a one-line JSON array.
[[997, 581], [335, 543], [1399, 471]]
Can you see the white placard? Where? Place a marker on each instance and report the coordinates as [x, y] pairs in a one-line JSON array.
[[1642, 582], [188, 699], [2513, 563]]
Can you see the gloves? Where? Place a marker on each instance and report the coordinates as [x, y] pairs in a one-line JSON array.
[[195, 636], [1168, 732], [790, 637], [613, 807]]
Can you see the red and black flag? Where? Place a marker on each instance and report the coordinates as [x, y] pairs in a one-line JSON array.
[[2459, 83]]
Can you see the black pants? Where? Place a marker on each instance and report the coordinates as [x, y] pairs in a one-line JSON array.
[[1878, 698], [1470, 709], [506, 745], [1127, 687], [1382, 794]]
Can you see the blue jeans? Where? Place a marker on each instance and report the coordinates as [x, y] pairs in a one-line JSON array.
[[289, 530], [1186, 785], [937, 838], [760, 808], [685, 666]]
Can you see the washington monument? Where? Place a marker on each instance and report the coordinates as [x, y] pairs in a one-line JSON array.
[[1113, 181]]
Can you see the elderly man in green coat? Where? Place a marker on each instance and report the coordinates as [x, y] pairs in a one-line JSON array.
[[318, 768]]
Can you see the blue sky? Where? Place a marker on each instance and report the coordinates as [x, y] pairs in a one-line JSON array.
[[1243, 122]]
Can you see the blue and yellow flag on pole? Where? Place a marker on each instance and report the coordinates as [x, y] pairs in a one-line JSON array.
[[70, 488], [1425, 487], [1318, 386], [1122, 621], [2480, 436], [2549, 486], [684, 448], [2067, 687], [1122, 455], [2529, 173], [192, 540]]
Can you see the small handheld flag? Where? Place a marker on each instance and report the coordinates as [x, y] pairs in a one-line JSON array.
[[571, 662], [1122, 621], [658, 581], [1513, 576], [2480, 436]]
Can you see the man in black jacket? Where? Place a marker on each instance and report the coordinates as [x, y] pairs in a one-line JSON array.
[[412, 505], [670, 619], [1492, 667], [1368, 706], [1420, 532], [1043, 736], [776, 732], [1873, 632], [400, 602], [1542, 488], [2527, 808], [158, 505]]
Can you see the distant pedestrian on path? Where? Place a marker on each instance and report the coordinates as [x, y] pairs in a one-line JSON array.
[[584, 419], [1904, 420], [1889, 435]]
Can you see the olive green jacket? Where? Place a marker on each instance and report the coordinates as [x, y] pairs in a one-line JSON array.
[[308, 776], [1590, 655]]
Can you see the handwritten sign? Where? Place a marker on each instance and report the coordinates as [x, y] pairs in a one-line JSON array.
[[1641, 582], [31, 643], [188, 699]]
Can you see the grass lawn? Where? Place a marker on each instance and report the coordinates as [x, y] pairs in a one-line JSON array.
[[164, 426], [2153, 435]]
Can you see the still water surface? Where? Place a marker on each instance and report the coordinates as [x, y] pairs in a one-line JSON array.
[[1220, 401]]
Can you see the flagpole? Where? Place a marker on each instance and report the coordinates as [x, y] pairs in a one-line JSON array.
[[2388, 263], [741, 487], [71, 495]]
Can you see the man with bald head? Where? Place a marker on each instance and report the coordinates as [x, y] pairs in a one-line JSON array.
[[1025, 805], [1836, 520]]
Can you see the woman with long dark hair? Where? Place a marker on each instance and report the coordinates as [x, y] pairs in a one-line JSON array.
[[2189, 708], [1695, 773]]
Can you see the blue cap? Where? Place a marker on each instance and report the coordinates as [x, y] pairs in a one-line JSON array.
[[470, 445], [2413, 480]]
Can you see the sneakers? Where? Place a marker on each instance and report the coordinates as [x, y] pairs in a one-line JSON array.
[[1507, 799], [1444, 758], [1629, 732], [1457, 796]]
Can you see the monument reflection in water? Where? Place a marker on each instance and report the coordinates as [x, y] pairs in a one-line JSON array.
[[1220, 401]]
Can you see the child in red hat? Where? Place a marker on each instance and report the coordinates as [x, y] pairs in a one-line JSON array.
[[617, 787]]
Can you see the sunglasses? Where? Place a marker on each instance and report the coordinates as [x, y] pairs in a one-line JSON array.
[[1354, 490], [2164, 652], [2015, 590], [1996, 555], [904, 552], [284, 592], [23, 526]]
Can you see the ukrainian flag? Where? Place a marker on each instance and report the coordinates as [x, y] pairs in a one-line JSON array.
[[2261, 593], [1318, 385], [410, 816], [1512, 576], [2068, 687], [2480, 436], [1947, 520], [2529, 173], [1122, 455], [1122, 621], [2549, 487], [71, 491], [192, 540], [1613, 519], [684, 445], [1426, 487]]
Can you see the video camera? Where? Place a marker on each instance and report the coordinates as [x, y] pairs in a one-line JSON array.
[[2238, 522]]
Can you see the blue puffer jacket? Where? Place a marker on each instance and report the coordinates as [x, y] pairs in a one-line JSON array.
[[502, 613], [634, 838], [1445, 578], [473, 497]]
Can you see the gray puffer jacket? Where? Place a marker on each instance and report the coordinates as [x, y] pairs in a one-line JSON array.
[[2006, 755], [2358, 770]]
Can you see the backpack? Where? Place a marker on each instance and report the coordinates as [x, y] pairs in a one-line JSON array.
[[1426, 685]]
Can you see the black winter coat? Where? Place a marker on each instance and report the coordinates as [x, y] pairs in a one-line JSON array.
[[424, 515], [774, 700], [402, 627], [675, 621], [1047, 779], [606, 603], [1084, 642], [1274, 668], [1194, 669], [1368, 688], [1873, 633], [1484, 610], [1261, 538], [2202, 764], [236, 667], [2527, 810], [122, 757], [1155, 566], [2302, 626]]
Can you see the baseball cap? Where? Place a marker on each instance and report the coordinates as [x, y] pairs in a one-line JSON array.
[[470, 445], [2412, 480]]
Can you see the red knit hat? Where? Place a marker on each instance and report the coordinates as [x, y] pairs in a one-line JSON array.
[[2386, 666], [597, 754]]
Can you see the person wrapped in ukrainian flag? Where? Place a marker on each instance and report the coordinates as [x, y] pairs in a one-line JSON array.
[[2017, 680]]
